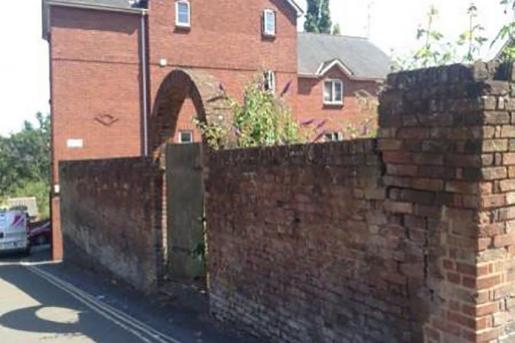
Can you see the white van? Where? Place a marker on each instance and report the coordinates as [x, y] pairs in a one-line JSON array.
[[14, 230]]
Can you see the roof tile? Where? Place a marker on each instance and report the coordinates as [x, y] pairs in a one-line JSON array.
[[359, 55]]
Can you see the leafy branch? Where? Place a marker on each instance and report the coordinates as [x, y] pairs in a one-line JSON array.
[[472, 37], [507, 32], [263, 119], [436, 50]]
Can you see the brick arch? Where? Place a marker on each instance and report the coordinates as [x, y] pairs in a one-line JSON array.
[[206, 93]]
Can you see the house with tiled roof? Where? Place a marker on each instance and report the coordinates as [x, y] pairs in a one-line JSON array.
[[335, 73]]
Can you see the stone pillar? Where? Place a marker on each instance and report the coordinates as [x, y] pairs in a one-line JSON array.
[[445, 139]]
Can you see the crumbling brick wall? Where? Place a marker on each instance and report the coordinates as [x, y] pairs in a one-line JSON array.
[[445, 139], [320, 244], [299, 248], [111, 217]]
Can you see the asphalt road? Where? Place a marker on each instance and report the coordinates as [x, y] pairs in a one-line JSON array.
[[41, 302]]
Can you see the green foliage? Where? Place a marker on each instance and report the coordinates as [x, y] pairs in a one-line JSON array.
[[325, 23], [436, 50], [216, 136], [472, 38], [508, 52], [310, 25], [263, 119], [25, 162], [318, 17], [507, 32]]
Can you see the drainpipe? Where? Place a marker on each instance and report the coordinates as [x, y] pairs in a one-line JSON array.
[[144, 80]]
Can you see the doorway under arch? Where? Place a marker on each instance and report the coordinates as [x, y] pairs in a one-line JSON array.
[[183, 237]]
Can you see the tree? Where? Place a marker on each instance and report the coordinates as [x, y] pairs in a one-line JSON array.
[[318, 17], [25, 162], [325, 23], [311, 23]]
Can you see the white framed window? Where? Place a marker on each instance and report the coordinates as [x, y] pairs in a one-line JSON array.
[[269, 82], [182, 13], [269, 22], [333, 136], [333, 92], [185, 137]]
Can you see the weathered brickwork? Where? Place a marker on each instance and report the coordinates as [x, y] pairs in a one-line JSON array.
[[445, 139], [111, 212], [340, 243], [495, 297], [299, 248]]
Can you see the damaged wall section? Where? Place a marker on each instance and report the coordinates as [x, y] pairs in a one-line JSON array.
[[405, 239], [300, 247]]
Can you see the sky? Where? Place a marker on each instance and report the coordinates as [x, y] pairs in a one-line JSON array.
[[394, 23], [24, 75]]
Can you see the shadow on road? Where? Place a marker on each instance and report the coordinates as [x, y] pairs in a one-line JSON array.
[[39, 254], [56, 313], [29, 319], [172, 314]]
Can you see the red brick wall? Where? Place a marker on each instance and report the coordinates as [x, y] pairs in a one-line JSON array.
[[310, 104], [318, 251], [187, 121], [95, 72], [224, 35], [111, 212], [225, 40], [308, 255]]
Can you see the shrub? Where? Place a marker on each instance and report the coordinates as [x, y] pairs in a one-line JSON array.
[[263, 119]]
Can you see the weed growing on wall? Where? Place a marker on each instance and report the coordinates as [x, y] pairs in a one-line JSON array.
[[437, 50]]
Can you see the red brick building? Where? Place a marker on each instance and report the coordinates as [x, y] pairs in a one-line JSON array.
[[109, 59], [334, 73]]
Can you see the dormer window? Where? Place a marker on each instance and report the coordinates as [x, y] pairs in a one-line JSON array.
[[182, 13], [333, 92], [269, 23]]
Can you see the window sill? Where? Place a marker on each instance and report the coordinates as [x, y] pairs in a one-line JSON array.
[[184, 27], [333, 104]]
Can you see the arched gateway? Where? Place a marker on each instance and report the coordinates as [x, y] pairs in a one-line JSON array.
[[183, 237], [203, 89]]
